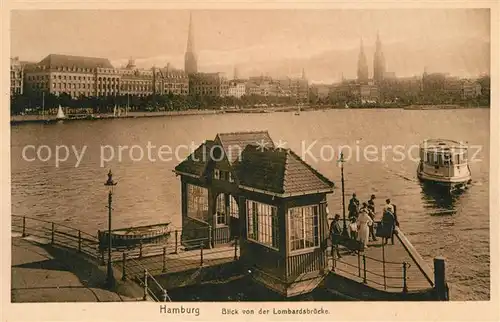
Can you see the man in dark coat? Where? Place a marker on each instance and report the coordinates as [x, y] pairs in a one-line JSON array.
[[371, 213], [389, 221], [353, 206], [335, 235]]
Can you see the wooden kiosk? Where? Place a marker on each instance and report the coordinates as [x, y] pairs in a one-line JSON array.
[[240, 186]]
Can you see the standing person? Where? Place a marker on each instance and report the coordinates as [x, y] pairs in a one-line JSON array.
[[335, 235], [363, 223], [353, 206], [371, 213], [389, 221]]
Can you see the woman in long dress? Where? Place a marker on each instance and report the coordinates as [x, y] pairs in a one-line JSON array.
[[363, 222]]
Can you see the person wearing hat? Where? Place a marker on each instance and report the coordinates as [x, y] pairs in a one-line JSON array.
[[335, 235], [371, 213], [363, 222], [353, 207], [389, 220]]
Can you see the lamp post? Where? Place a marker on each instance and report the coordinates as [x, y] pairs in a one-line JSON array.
[[344, 228], [110, 279]]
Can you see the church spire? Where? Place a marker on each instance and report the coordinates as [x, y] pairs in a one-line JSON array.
[[190, 60], [362, 64], [378, 61]]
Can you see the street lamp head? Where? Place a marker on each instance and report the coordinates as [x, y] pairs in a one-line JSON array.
[[110, 183]]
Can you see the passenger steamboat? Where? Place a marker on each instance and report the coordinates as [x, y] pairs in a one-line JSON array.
[[444, 163]]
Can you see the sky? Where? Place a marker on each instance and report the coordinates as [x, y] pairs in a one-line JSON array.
[[246, 38]]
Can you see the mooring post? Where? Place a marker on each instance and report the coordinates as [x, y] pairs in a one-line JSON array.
[[164, 269], [176, 241], [79, 241], [333, 259], [383, 263], [124, 266], [405, 286], [364, 269], [140, 249], [52, 234], [440, 286], [209, 236], [145, 285], [24, 226], [236, 248], [359, 263], [201, 253]]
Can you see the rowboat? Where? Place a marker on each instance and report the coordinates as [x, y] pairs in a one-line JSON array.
[[133, 235]]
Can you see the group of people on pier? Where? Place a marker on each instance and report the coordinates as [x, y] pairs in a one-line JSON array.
[[362, 225]]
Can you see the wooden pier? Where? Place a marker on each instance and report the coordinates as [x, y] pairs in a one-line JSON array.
[[391, 272]]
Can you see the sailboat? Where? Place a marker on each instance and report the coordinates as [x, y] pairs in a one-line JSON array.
[[60, 114]]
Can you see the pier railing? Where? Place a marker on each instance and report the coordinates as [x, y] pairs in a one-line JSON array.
[[370, 270], [56, 234]]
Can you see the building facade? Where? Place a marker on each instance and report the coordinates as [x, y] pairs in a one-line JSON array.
[[208, 84], [86, 76], [16, 76], [236, 88], [171, 81]]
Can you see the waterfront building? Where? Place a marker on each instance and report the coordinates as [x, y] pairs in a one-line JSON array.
[[190, 59], [395, 88], [170, 80], [378, 62], [74, 75], [362, 65], [208, 84], [135, 82], [240, 186], [16, 76], [321, 91], [236, 88], [471, 89]]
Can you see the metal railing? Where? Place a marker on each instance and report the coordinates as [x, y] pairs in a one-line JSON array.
[[162, 259], [368, 269], [164, 256], [57, 234]]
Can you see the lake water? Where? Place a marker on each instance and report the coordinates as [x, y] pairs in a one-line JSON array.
[[148, 191]]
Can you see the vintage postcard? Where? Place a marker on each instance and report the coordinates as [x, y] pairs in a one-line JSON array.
[[251, 162]]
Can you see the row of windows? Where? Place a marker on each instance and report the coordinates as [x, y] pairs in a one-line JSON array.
[[223, 175], [225, 206], [303, 226], [262, 224], [444, 159], [262, 219]]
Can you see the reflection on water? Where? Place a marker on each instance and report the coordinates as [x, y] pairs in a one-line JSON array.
[[438, 199]]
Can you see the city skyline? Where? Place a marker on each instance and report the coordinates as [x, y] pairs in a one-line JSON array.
[[273, 42]]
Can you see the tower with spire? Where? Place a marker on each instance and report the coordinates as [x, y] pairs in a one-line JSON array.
[[362, 64], [378, 62], [190, 60]]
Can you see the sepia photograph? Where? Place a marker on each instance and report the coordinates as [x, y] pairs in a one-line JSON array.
[[253, 155]]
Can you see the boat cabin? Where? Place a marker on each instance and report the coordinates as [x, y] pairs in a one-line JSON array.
[[443, 160], [241, 186]]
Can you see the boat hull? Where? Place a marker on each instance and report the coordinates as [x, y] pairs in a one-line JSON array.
[[448, 183], [133, 235]]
